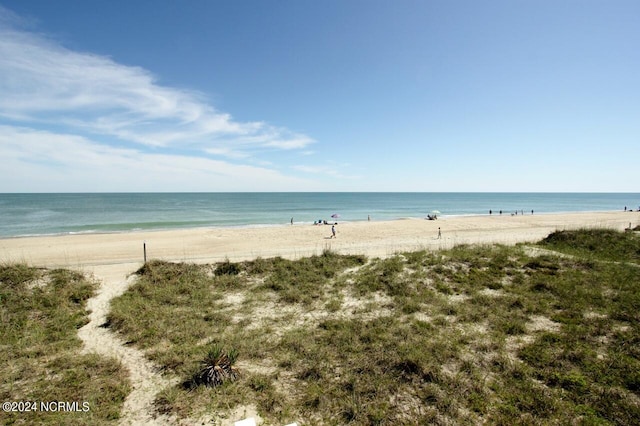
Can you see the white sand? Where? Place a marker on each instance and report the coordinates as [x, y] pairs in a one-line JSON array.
[[369, 238]]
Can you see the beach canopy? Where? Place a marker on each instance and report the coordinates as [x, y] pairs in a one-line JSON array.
[[335, 215], [435, 211]]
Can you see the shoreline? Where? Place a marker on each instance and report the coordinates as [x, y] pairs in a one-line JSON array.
[[374, 239]]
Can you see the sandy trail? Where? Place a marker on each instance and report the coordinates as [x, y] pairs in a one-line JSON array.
[[146, 381]]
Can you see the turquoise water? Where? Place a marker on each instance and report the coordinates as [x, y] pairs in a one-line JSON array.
[[43, 214]]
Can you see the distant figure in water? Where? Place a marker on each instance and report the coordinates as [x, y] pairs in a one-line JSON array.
[[531, 211], [292, 221], [490, 212]]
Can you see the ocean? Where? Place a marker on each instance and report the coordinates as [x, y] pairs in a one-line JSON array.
[[70, 213]]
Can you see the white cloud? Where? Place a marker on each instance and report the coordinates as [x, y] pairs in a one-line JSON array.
[[298, 141], [61, 112], [45, 161], [43, 82], [225, 152]]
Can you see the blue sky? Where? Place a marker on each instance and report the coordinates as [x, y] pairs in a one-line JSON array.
[[336, 95]]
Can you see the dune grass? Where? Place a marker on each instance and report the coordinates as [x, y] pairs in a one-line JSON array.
[[602, 244], [475, 334], [40, 360]]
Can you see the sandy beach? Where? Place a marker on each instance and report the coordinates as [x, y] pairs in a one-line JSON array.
[[375, 238]]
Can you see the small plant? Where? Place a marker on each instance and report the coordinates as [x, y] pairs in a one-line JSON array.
[[217, 368], [227, 268]]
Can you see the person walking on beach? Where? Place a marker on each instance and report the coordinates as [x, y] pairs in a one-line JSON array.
[[439, 233], [333, 231]]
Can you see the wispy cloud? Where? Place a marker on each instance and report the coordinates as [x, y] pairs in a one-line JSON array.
[[77, 121], [43, 82], [35, 160]]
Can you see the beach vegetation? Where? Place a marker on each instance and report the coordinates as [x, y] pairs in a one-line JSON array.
[[216, 368], [41, 311], [603, 244], [528, 334]]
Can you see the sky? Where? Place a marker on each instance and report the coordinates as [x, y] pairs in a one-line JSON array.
[[333, 95]]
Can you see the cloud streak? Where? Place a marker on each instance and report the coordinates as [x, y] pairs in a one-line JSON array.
[[43, 83], [76, 121], [44, 161]]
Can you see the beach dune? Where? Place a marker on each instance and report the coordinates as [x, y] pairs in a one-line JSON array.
[[377, 239], [111, 258]]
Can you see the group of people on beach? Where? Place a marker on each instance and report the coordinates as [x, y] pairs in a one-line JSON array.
[[512, 214], [324, 222]]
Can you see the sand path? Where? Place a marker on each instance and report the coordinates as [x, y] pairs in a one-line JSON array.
[[145, 379]]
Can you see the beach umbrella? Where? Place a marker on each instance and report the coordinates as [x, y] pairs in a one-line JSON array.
[[335, 215], [435, 212]]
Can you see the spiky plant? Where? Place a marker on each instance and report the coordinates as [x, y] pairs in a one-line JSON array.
[[217, 367]]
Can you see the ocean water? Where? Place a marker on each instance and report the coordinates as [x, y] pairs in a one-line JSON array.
[[44, 214]]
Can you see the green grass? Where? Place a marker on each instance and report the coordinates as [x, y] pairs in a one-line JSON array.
[[40, 360], [469, 335], [603, 244]]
